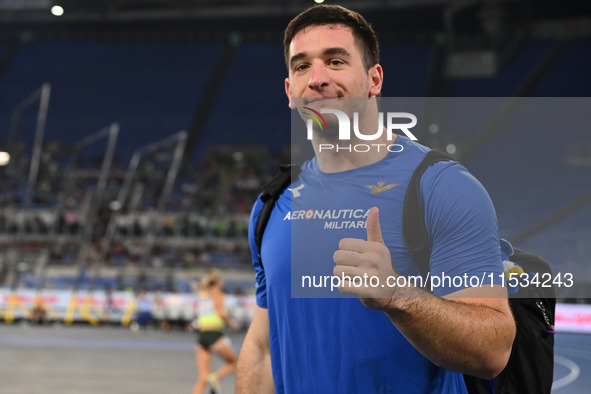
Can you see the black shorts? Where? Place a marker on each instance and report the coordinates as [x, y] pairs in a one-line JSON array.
[[208, 338]]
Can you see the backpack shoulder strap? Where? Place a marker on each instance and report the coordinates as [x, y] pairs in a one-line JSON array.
[[413, 216], [270, 194]]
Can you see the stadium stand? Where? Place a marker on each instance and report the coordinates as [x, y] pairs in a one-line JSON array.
[[155, 89], [569, 75], [408, 77], [510, 76], [150, 89]]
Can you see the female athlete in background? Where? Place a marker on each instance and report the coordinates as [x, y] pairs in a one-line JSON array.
[[211, 320]]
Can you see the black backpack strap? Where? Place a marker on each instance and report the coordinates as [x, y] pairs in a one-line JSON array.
[[413, 216], [271, 192]]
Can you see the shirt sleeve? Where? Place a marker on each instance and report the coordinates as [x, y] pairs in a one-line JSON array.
[[261, 283], [462, 227]]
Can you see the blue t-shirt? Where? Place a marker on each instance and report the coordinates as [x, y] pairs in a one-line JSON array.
[[325, 342]]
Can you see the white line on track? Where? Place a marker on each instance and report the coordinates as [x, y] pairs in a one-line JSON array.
[[574, 373]]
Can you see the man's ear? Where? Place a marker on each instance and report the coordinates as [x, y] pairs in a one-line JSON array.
[[376, 78], [288, 94]]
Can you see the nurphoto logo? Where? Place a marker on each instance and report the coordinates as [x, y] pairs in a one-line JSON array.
[[393, 122]]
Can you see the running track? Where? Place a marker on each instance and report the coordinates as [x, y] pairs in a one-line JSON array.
[[114, 360]]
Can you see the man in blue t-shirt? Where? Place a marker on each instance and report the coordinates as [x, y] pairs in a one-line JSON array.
[[342, 218]]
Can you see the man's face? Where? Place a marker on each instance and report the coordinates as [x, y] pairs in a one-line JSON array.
[[325, 63]]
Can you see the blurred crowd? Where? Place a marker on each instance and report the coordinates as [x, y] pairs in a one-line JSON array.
[[62, 219]]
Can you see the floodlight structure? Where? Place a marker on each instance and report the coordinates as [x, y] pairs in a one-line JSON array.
[[42, 95], [179, 141], [110, 132]]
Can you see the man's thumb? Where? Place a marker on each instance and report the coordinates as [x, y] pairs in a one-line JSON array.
[[372, 225]]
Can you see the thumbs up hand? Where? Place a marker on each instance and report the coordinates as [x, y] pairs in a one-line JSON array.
[[365, 266]]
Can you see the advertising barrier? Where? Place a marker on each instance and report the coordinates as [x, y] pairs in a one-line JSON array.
[[121, 307], [96, 307]]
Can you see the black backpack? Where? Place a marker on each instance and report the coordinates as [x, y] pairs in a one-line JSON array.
[[531, 364]]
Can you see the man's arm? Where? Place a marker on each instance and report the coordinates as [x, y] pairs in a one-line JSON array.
[[470, 331], [253, 373], [468, 335]]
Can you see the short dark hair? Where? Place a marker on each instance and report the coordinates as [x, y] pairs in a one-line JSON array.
[[321, 15]]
